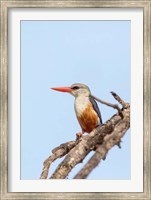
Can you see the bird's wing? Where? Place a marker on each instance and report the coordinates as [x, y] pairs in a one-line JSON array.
[[96, 108]]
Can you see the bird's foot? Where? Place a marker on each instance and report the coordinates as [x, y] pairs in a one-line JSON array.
[[78, 135]]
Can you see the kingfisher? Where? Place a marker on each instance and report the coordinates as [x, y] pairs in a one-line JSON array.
[[86, 108]]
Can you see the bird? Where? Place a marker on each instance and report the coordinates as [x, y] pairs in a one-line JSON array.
[[86, 108]]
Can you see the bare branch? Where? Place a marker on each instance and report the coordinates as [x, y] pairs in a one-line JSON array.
[[87, 144], [99, 140], [125, 105], [115, 106], [58, 152], [102, 150]]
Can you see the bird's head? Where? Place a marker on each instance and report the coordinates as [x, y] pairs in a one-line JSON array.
[[75, 89]]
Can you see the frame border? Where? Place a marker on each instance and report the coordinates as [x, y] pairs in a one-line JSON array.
[[5, 5]]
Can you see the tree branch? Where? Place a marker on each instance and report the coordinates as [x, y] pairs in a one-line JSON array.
[[99, 140], [115, 106], [102, 150], [58, 152]]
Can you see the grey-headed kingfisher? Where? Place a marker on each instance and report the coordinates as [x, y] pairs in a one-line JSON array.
[[86, 108]]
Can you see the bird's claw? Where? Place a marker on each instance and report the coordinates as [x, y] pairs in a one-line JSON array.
[[79, 135]]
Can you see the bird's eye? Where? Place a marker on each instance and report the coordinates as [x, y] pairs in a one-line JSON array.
[[75, 87]]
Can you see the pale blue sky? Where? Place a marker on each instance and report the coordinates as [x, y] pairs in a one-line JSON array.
[[60, 53]]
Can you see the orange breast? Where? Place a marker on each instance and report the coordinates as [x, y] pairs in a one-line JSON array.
[[88, 120]]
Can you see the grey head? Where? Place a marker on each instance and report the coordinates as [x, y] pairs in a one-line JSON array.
[[79, 89]]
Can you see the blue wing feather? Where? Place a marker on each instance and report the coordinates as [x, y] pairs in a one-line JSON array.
[[96, 108]]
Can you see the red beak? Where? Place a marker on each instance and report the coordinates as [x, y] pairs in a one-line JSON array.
[[62, 89]]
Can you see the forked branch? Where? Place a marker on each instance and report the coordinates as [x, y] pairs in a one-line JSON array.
[[100, 140]]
